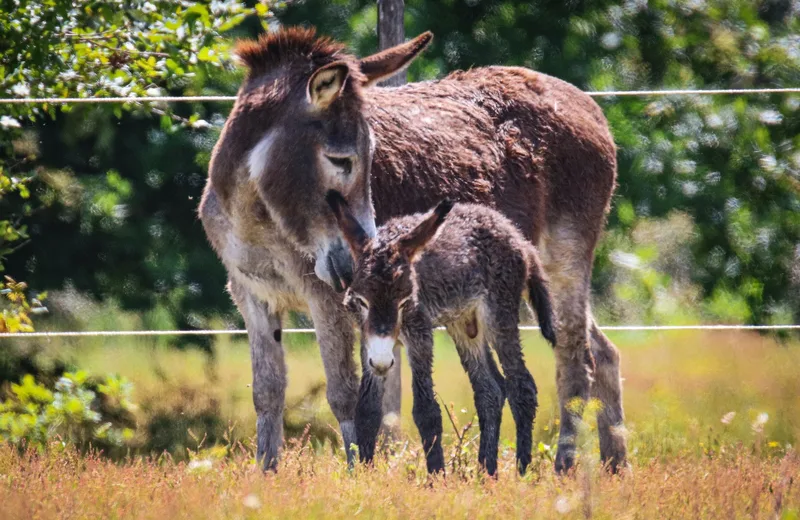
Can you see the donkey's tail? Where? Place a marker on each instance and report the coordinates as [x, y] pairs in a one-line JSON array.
[[540, 298]]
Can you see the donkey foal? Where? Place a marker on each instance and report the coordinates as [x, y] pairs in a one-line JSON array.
[[469, 277]]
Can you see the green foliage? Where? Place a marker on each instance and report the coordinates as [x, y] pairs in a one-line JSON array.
[[57, 48], [73, 412], [15, 309], [134, 48]]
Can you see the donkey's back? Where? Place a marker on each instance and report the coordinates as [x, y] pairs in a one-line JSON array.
[[532, 146]]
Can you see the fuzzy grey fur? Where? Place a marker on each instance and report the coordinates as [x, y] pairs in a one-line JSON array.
[[466, 269]]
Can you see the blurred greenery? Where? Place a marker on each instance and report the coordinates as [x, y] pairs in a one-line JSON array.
[[705, 224], [76, 410], [54, 187]]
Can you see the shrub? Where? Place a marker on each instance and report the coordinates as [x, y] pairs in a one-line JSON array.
[[80, 411]]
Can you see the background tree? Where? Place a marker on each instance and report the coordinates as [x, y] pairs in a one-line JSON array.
[[705, 220], [96, 167]]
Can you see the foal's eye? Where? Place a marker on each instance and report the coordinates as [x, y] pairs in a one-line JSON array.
[[403, 303], [362, 302]]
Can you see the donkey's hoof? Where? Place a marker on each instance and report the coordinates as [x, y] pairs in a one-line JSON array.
[[565, 459], [617, 466]]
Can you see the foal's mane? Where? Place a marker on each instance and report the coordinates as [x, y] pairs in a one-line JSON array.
[[287, 45]]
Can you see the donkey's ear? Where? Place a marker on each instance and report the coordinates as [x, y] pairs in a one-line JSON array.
[[413, 242], [394, 59], [326, 84], [355, 235]]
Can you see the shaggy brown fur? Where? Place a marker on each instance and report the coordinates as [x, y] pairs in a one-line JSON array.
[[469, 278], [529, 145]]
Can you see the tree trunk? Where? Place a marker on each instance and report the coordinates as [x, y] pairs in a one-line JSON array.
[[390, 33]]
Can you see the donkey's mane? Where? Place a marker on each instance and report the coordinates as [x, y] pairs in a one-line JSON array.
[[286, 45]]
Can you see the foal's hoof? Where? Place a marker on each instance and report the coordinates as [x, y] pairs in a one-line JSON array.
[[565, 460], [522, 465]]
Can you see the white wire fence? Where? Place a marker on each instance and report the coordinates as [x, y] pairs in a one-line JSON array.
[[239, 332], [208, 99]]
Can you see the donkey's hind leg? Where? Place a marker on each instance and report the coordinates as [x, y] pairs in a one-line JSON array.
[[567, 257], [488, 389], [607, 388]]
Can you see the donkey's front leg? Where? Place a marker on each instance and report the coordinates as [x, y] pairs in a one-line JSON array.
[[418, 339], [269, 372], [392, 396], [368, 410], [336, 338]]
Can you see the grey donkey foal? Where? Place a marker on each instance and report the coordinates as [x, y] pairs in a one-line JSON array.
[[463, 266]]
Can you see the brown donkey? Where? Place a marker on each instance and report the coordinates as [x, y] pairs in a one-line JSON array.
[[307, 119], [469, 277]]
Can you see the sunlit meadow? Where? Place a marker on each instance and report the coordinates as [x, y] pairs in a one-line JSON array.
[[712, 419]]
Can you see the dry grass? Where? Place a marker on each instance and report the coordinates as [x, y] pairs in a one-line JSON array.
[[64, 485], [687, 463]]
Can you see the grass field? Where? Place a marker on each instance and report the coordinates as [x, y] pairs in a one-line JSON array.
[[687, 462]]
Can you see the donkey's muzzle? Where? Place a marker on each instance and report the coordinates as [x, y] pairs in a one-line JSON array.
[[380, 353], [340, 267]]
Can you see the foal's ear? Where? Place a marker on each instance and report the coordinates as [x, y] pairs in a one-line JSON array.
[[413, 242], [326, 84], [355, 235], [394, 59]]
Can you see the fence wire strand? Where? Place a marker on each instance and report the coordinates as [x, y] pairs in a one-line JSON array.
[[208, 99], [239, 332]]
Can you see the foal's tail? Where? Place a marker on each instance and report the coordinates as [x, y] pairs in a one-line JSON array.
[[540, 298]]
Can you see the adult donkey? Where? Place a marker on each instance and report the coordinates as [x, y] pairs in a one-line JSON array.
[[306, 120]]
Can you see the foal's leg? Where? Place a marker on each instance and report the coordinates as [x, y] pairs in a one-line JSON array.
[[498, 376], [607, 388], [418, 338], [269, 372], [488, 393], [336, 337], [568, 261], [520, 387], [368, 409]]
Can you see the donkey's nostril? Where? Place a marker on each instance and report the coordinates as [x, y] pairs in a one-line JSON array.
[[345, 164], [380, 369]]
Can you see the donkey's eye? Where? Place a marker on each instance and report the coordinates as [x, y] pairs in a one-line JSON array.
[[343, 164], [403, 303], [362, 301]]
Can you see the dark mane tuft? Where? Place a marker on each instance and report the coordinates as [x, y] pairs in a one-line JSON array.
[[285, 45]]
